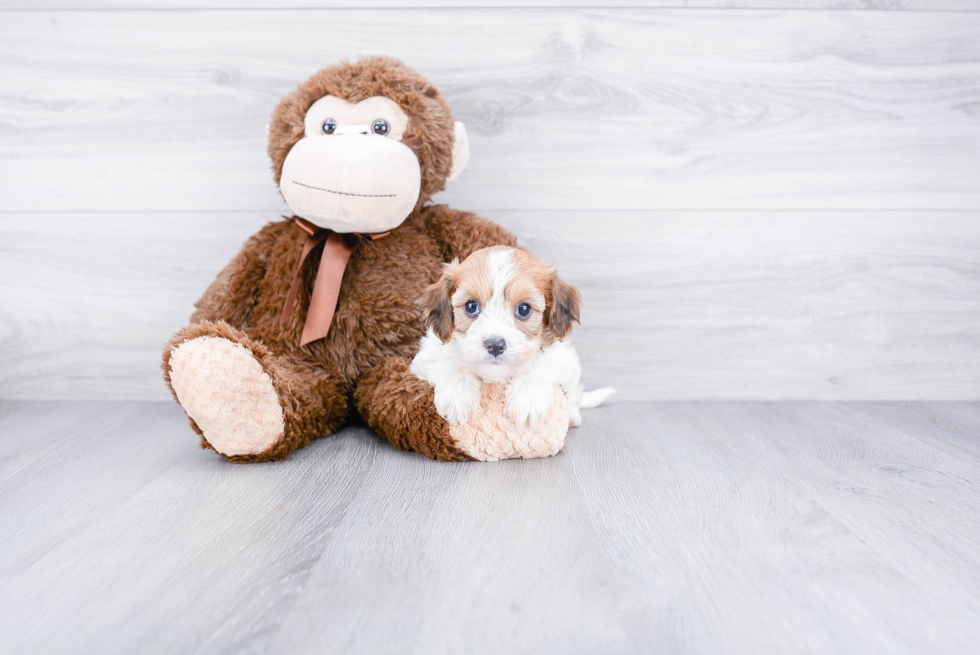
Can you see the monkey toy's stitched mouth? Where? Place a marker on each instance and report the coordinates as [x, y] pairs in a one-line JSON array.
[[345, 193]]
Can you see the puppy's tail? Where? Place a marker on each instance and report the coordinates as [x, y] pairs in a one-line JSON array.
[[595, 398]]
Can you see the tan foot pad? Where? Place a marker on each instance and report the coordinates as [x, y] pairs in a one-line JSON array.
[[491, 435], [224, 389]]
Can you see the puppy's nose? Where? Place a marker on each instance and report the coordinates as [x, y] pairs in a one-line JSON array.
[[495, 346]]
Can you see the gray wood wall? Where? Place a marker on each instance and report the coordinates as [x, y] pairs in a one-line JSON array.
[[759, 199]]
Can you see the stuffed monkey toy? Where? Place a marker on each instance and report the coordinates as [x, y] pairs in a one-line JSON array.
[[316, 319]]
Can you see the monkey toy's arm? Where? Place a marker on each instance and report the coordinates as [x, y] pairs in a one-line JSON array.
[[462, 233], [234, 293]]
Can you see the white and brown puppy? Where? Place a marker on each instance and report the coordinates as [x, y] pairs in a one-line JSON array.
[[501, 317]]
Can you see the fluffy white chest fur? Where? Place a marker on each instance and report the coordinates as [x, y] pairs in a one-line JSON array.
[[529, 391], [495, 351]]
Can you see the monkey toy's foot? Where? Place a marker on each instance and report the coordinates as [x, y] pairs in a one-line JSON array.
[[247, 402], [227, 393]]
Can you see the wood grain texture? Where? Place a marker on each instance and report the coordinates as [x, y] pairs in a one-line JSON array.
[[662, 527], [868, 5], [772, 305], [569, 109], [221, 549], [953, 427], [678, 305]]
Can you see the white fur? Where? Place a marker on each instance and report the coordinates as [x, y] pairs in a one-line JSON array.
[[530, 387], [500, 269], [528, 371], [595, 398], [530, 393], [457, 390]]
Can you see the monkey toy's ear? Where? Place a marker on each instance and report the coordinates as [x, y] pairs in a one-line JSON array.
[[461, 151], [437, 306]]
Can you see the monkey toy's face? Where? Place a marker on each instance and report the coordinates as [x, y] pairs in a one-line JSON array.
[[356, 166]]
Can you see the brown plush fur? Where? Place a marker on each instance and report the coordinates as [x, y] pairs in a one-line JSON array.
[[395, 402], [377, 324]]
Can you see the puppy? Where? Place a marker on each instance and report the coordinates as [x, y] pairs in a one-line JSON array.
[[502, 317]]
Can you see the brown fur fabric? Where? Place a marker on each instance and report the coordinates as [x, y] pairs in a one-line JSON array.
[[377, 324], [401, 408]]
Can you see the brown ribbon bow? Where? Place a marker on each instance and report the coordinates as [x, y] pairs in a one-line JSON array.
[[337, 249]]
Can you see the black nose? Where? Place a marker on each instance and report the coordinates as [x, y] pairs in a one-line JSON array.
[[495, 346]]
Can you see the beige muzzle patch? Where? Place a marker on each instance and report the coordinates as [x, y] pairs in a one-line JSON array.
[[351, 182]]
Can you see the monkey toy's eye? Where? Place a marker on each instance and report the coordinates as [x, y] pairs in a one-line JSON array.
[[472, 308], [380, 127], [329, 126], [523, 311]]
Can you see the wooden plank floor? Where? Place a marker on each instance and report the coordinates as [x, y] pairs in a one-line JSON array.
[[668, 527]]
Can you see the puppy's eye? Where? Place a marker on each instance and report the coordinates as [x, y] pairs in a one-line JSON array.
[[380, 127], [329, 126], [472, 308], [523, 311]]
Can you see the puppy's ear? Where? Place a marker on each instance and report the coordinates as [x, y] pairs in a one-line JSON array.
[[564, 308], [436, 303]]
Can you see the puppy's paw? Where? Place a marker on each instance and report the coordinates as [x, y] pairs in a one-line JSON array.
[[456, 399], [573, 400], [528, 401]]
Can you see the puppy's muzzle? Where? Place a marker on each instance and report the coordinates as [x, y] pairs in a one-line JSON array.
[[495, 346]]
